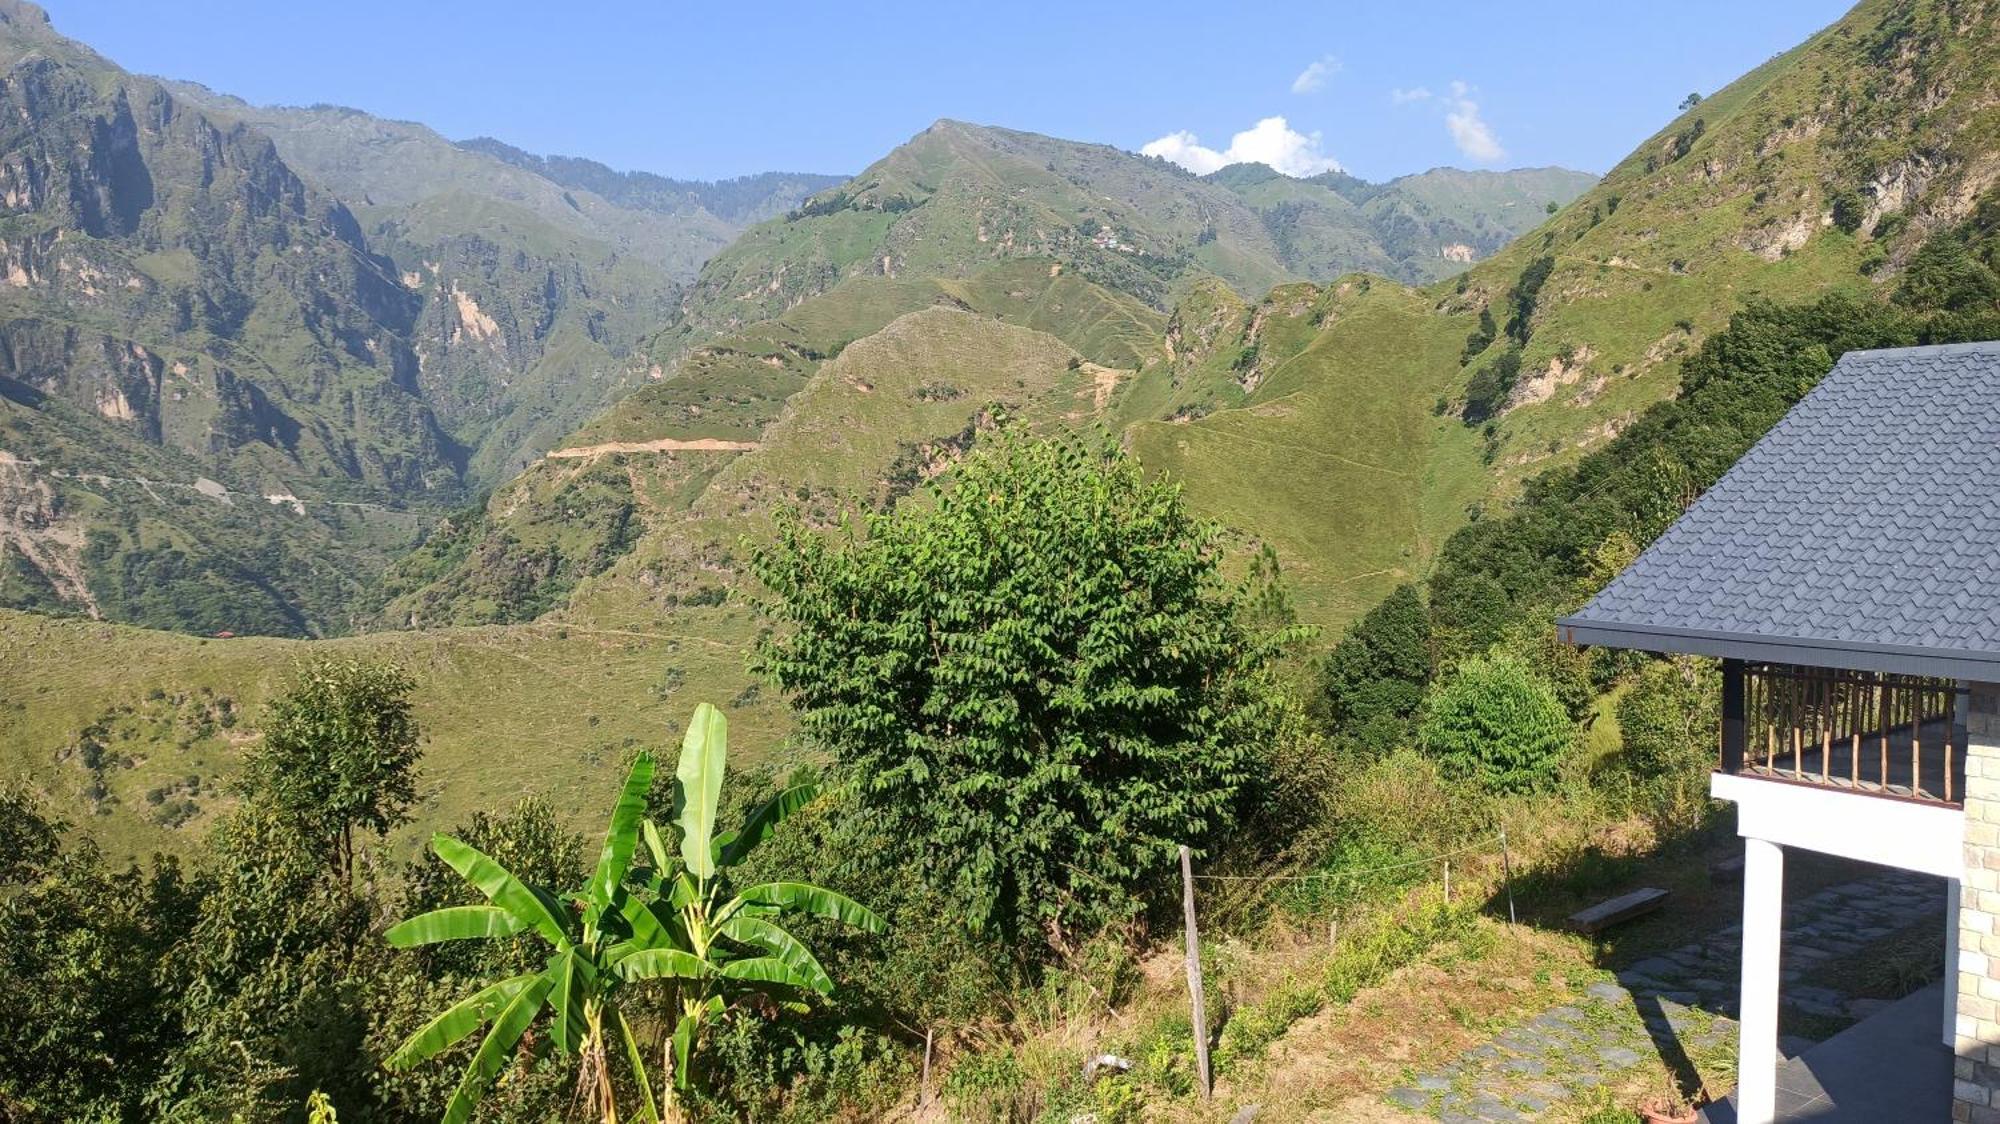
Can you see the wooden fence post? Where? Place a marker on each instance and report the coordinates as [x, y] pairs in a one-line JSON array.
[[1198, 1016], [924, 1088], [1507, 876]]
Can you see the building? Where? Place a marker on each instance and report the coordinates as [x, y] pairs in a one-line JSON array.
[[1847, 574]]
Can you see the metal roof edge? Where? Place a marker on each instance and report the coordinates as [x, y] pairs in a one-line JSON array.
[[1894, 658], [1974, 347]]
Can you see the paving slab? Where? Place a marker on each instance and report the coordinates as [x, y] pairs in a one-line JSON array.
[[1682, 1001], [1890, 1066]]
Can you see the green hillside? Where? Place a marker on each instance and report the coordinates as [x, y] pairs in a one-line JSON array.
[[1819, 171], [1352, 424], [1415, 408], [570, 517], [137, 734]]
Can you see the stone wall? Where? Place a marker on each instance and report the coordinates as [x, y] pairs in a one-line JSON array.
[[1976, 1072]]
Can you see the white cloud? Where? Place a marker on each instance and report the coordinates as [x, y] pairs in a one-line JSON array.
[[1315, 75], [1270, 141], [1469, 131], [1473, 136]]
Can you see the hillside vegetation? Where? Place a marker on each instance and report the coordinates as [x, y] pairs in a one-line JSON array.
[[249, 353], [1410, 410]]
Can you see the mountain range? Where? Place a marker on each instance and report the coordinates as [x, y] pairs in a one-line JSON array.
[[252, 354], [212, 303]]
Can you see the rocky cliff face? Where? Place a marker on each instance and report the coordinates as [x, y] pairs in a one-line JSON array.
[[171, 274], [168, 282]]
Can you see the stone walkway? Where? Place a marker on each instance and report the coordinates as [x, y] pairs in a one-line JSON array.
[[1675, 1006]]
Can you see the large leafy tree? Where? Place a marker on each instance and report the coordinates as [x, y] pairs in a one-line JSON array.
[[339, 753], [266, 977], [1035, 677], [1375, 677], [674, 918]]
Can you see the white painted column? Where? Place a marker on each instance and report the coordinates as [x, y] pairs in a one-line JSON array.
[[1763, 920], [1950, 1012]]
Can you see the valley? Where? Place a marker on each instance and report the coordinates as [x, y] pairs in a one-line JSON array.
[[842, 352]]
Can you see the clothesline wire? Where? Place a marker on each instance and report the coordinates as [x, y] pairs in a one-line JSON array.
[[1478, 845]]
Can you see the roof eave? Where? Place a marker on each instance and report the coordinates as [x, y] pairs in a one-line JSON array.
[[1806, 652]]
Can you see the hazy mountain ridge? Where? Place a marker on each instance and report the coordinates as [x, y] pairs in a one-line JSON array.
[[959, 197], [1412, 228], [742, 200]]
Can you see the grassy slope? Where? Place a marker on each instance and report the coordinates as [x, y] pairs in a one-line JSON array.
[[545, 710], [731, 390], [895, 404], [1337, 459], [1635, 285], [554, 707]]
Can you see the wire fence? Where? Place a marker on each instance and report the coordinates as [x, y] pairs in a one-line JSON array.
[[1442, 859], [1499, 839]]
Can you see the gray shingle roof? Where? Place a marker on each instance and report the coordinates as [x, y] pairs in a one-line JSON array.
[[1862, 532]]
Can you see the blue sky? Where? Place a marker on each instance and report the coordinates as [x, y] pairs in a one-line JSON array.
[[717, 90]]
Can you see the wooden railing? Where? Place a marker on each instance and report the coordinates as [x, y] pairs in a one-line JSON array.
[[1893, 735]]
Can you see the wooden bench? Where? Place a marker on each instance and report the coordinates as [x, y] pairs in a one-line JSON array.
[[1625, 907]]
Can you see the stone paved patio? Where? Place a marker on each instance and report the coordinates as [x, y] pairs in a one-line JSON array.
[[1672, 1006]]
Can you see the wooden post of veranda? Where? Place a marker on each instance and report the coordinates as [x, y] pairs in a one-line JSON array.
[[1198, 1016]]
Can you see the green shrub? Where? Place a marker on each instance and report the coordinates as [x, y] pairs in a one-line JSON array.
[[1668, 718], [1496, 724], [1486, 395], [1849, 209]]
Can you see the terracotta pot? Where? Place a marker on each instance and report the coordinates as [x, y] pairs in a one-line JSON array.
[[1653, 1112]]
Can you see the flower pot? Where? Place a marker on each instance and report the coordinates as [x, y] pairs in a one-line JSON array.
[[1656, 1112]]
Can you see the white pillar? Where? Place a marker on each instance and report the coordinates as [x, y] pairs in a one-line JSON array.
[[1763, 918], [1950, 962]]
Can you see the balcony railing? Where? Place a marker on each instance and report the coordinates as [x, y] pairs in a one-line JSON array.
[[1886, 735]]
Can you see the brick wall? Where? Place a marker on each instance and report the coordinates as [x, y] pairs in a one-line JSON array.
[[1976, 1072]]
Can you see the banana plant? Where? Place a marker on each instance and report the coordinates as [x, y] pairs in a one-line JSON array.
[[693, 916], [667, 922]]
